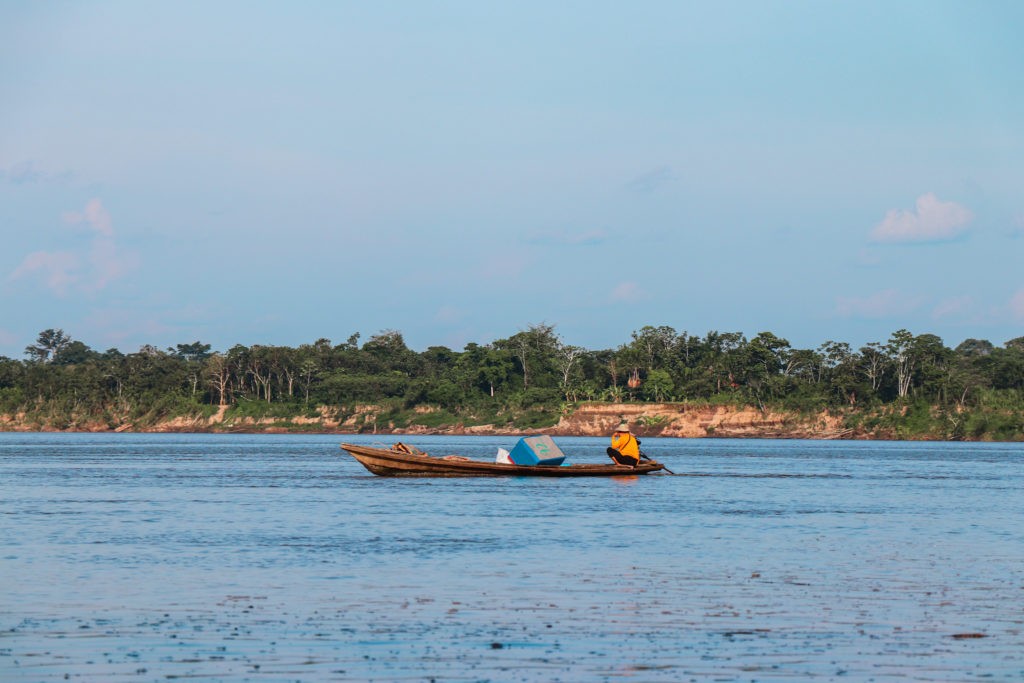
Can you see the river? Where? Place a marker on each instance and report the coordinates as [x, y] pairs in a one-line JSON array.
[[143, 557]]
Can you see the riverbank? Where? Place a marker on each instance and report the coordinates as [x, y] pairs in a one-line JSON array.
[[680, 420]]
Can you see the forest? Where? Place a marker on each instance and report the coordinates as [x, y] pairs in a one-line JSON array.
[[908, 386]]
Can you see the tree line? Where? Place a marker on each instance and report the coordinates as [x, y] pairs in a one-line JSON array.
[[526, 378]]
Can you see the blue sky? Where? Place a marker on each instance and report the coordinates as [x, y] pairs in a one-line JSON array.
[[273, 173]]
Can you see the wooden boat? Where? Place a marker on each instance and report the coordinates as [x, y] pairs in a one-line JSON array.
[[394, 463]]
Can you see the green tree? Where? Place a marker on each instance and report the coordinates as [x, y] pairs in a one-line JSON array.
[[569, 365], [196, 351], [874, 363], [900, 349], [763, 359], [193, 355], [974, 347], [655, 346], [217, 371], [49, 343], [390, 353], [723, 358], [934, 367], [73, 353], [839, 367], [536, 350], [659, 384]]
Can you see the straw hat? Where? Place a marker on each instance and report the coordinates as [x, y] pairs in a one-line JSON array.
[[623, 427]]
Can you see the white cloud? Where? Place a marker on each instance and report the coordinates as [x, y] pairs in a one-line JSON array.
[[627, 292], [108, 262], [884, 304], [87, 270], [933, 220], [94, 215], [58, 269]]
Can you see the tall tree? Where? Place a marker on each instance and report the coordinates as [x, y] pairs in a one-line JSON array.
[[196, 351], [655, 345], [569, 364], [73, 353], [722, 355], [659, 384], [49, 343], [1015, 344], [838, 364], [218, 372], [974, 347], [901, 349], [535, 348], [874, 360]]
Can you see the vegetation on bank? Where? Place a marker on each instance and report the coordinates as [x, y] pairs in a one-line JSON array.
[[910, 386]]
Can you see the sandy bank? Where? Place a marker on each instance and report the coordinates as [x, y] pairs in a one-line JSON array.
[[588, 419]]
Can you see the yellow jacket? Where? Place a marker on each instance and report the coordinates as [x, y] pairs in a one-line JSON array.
[[626, 443]]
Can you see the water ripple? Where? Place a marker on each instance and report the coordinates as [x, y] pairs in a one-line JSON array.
[[274, 558]]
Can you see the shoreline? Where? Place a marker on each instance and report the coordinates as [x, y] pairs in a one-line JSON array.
[[674, 420]]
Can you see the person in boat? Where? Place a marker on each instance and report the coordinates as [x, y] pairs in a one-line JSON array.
[[625, 448]]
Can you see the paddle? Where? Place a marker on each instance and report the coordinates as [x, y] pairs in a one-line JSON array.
[[644, 457]]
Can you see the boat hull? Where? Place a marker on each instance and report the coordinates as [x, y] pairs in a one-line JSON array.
[[388, 463]]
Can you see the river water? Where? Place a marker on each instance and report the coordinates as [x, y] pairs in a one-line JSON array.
[[277, 558]]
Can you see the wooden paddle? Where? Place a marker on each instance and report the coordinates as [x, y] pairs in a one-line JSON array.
[[644, 457]]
